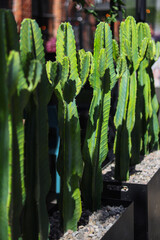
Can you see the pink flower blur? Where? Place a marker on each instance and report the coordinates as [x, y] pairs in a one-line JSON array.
[[51, 45]]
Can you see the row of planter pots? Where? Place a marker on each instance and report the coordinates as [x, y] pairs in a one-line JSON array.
[[144, 208], [141, 218]]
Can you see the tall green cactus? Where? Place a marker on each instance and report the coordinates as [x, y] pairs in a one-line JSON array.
[[95, 148], [153, 122], [19, 101], [16, 90], [139, 132], [134, 115], [146, 127], [37, 180], [70, 163], [10, 80], [126, 115], [9, 67]]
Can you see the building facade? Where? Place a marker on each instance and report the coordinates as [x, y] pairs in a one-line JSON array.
[[50, 13]]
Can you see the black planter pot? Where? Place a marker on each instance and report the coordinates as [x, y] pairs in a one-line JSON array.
[[123, 228], [146, 199]]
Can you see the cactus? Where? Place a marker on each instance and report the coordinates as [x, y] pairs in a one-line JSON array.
[[37, 180], [134, 115], [126, 116], [153, 122], [70, 82], [19, 101], [11, 80], [138, 133], [9, 67], [16, 91], [146, 127], [95, 149]]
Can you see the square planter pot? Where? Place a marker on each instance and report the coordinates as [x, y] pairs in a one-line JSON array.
[[146, 199], [123, 228]]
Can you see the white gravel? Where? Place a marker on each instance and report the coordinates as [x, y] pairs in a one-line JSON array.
[[142, 173]]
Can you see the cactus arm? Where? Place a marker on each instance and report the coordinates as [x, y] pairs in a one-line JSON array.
[[51, 69], [26, 46], [85, 67], [11, 33], [153, 124], [134, 45], [98, 44], [66, 46], [132, 102], [72, 168], [157, 51], [115, 50], [122, 37], [122, 99], [122, 136], [109, 52]]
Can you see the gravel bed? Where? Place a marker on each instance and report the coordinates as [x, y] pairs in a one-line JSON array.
[[141, 173], [91, 225], [94, 225]]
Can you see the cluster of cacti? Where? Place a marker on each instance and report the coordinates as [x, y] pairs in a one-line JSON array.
[[27, 83], [134, 116]]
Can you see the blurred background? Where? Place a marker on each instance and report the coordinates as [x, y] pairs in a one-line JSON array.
[[50, 13]]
